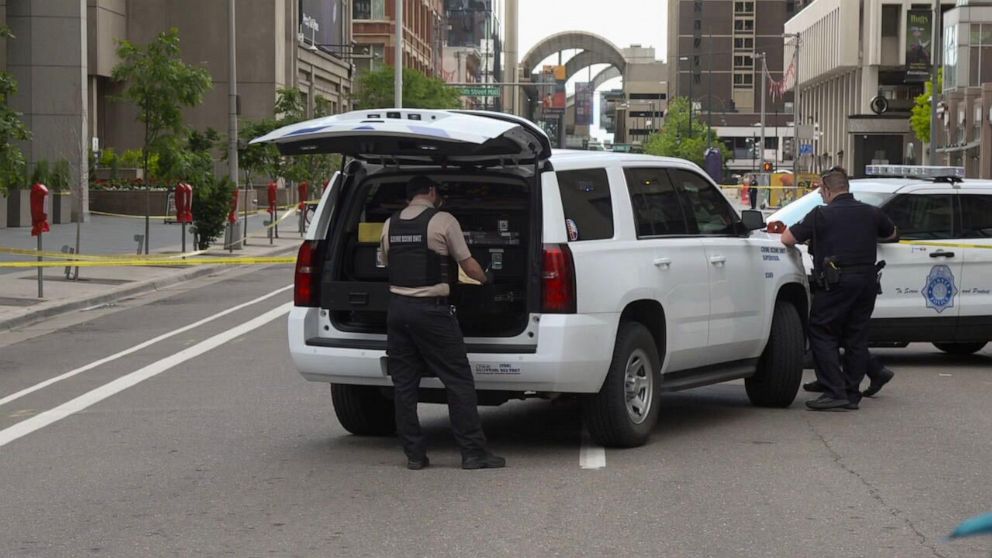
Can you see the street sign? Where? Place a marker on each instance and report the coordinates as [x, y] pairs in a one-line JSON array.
[[806, 149], [479, 90]]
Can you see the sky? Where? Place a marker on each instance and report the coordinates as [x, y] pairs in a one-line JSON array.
[[623, 22]]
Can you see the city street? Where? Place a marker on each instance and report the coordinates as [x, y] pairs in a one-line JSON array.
[[206, 442]]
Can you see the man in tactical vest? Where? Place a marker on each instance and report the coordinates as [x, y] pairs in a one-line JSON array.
[[423, 332], [844, 236]]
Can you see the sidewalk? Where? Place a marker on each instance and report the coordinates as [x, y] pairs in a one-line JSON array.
[[103, 235]]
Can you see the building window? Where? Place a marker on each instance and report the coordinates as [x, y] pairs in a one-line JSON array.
[[743, 80], [743, 7], [743, 61], [369, 9], [744, 43], [745, 24], [697, 42], [697, 6], [697, 25]]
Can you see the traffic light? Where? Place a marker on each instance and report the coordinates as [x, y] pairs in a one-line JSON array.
[[767, 167]]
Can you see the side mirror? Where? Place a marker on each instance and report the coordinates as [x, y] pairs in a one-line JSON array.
[[753, 219]]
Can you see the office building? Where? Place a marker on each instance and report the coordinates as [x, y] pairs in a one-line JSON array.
[[374, 30]]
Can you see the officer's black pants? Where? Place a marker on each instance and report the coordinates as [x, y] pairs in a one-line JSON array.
[[423, 335], [839, 319]]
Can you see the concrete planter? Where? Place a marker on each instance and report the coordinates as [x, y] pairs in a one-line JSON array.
[[128, 202], [61, 208], [19, 208]]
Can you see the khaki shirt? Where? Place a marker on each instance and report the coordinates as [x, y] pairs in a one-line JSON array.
[[444, 236]]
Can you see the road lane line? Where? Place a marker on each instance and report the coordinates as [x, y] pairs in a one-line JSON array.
[[93, 397], [591, 456], [136, 348]]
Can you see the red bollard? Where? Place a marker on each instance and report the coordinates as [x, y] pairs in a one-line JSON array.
[[39, 225], [184, 209], [273, 228]]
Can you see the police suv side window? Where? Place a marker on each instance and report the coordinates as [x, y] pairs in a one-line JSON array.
[[976, 216], [711, 212], [585, 196], [657, 210], [922, 216]]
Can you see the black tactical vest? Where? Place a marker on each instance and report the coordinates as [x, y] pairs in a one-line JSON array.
[[411, 263]]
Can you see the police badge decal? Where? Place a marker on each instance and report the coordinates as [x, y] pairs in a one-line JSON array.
[[939, 290]]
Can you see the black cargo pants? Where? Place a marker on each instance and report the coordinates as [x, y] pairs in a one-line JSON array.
[[423, 334], [839, 319]]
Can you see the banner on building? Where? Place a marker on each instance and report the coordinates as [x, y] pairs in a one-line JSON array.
[[553, 89], [321, 23], [583, 103], [919, 42]]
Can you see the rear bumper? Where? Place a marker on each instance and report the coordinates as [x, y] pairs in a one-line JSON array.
[[572, 355]]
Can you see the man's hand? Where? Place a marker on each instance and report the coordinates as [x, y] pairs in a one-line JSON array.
[[788, 239], [472, 268]]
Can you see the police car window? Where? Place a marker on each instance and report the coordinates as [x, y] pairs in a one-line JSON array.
[[976, 216], [795, 211], [657, 211], [711, 212], [922, 216], [585, 196]]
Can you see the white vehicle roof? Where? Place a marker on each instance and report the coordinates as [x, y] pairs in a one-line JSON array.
[[909, 185], [567, 159]]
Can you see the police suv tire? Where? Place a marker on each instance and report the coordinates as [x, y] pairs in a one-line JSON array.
[[780, 368], [606, 413], [961, 348], [363, 410]]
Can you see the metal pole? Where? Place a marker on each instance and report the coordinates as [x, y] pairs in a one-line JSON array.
[[795, 116], [41, 277], [692, 76], [398, 62], [709, 94], [232, 88], [764, 70], [184, 236], [934, 67]]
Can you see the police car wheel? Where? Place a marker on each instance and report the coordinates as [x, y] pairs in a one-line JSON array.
[[780, 368], [961, 348], [625, 410], [363, 410]]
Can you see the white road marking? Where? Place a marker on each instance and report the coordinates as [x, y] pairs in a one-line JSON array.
[[136, 348], [93, 397], [591, 456]]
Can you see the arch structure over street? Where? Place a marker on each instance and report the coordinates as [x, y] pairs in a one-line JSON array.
[[601, 51]]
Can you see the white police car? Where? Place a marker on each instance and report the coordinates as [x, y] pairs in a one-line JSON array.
[[937, 286]]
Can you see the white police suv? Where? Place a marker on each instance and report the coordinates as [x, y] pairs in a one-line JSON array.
[[617, 277], [937, 284]]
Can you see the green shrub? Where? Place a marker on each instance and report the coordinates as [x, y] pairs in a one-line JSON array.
[[108, 157], [41, 174], [60, 177], [211, 204], [132, 159]]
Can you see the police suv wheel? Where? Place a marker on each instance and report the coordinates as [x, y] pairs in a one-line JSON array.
[[780, 368], [625, 410], [961, 348], [363, 410]]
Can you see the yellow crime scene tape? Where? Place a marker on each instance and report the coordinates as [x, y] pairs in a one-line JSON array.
[[91, 257], [941, 244], [150, 262]]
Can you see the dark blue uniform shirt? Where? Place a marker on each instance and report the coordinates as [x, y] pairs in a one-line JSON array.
[[845, 228]]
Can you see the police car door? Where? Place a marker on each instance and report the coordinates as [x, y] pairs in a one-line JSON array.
[[921, 282], [733, 267], [975, 314]]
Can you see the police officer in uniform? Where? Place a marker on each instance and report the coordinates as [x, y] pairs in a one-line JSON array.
[[844, 235], [422, 329]]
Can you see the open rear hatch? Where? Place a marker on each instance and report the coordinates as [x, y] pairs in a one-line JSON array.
[[486, 164]]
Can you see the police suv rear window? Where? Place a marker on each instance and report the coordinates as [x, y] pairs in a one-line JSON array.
[[585, 196]]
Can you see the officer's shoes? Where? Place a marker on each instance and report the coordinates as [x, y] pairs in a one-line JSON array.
[[483, 461], [418, 464], [827, 403], [876, 384], [815, 386]]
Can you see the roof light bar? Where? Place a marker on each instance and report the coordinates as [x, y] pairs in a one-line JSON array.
[[914, 171]]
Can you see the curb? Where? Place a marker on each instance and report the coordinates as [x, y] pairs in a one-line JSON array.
[[140, 288]]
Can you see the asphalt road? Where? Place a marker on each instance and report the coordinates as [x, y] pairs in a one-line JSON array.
[[207, 443]]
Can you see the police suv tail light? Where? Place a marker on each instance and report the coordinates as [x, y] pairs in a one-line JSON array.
[[306, 279], [777, 227], [558, 274]]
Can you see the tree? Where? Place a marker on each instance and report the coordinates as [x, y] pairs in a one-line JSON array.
[[160, 85], [376, 90], [12, 130], [211, 203], [676, 140], [919, 119]]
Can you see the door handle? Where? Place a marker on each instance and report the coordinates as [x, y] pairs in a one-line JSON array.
[[941, 254], [718, 260], [663, 262]]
